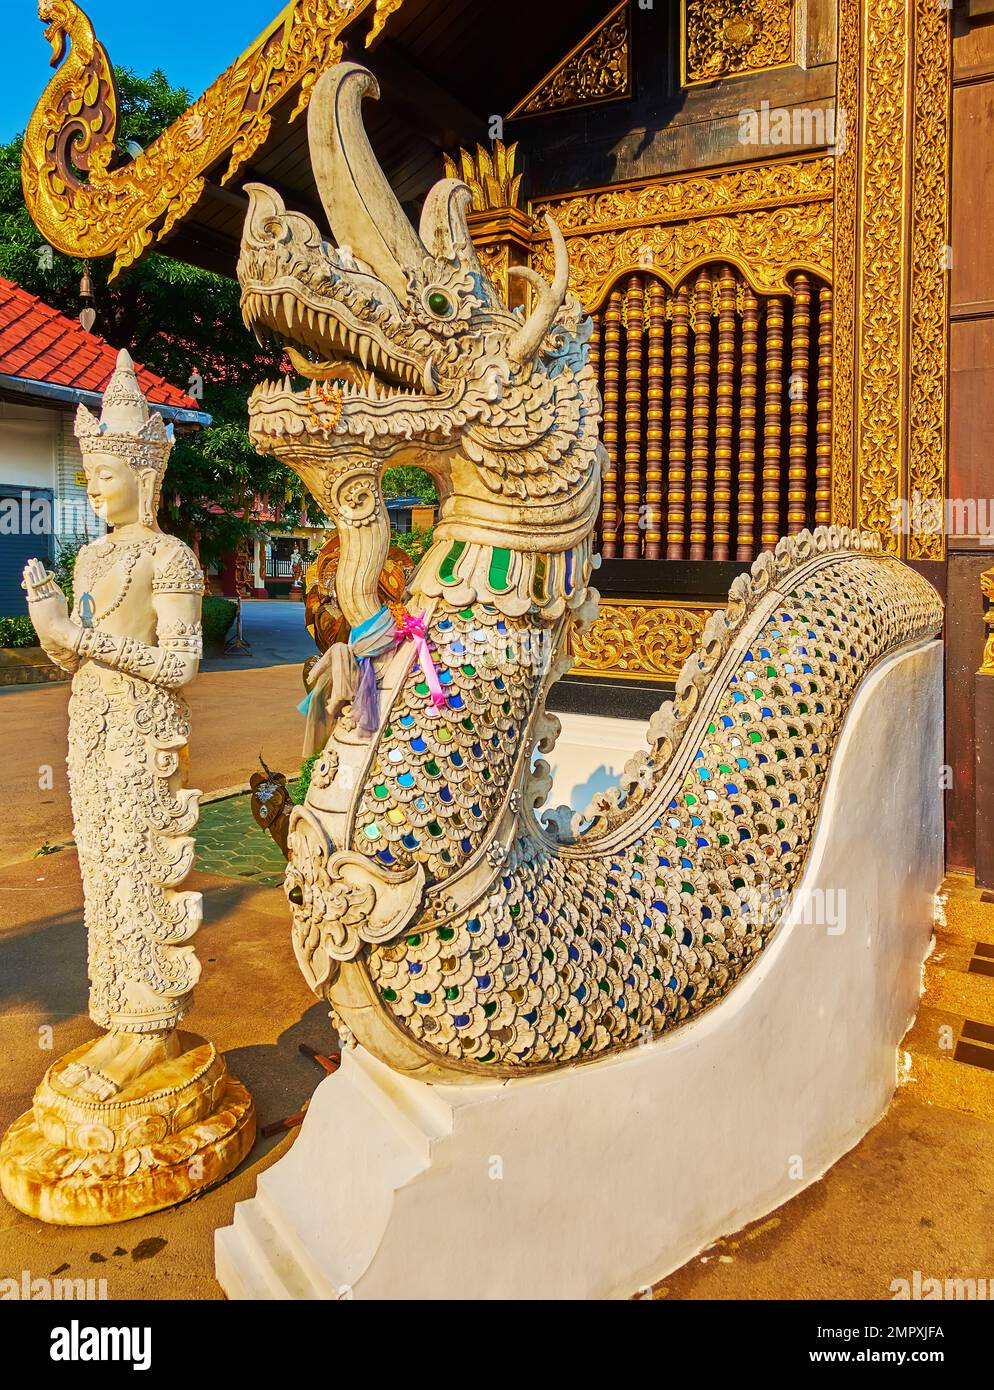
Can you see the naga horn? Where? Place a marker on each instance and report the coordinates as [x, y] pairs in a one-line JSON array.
[[362, 209], [444, 229], [549, 300]]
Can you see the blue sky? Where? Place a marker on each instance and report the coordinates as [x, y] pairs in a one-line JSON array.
[[193, 41]]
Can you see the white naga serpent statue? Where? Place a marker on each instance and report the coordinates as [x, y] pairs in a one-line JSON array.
[[456, 933]]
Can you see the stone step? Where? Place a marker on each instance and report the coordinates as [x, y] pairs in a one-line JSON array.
[[948, 1060], [959, 976], [964, 912]]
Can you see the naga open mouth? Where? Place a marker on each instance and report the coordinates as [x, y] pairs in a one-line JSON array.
[[322, 346]]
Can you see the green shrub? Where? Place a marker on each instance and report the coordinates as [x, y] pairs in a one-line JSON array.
[[65, 566], [218, 615], [415, 543], [298, 789], [17, 632]]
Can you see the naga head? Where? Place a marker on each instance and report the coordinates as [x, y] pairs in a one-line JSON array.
[[406, 350]]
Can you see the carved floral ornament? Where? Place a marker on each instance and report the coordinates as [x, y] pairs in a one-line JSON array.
[[86, 205], [727, 38], [987, 590], [634, 640], [598, 69], [768, 219], [891, 377]]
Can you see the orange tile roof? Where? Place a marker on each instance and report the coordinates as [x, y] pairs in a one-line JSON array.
[[40, 344]]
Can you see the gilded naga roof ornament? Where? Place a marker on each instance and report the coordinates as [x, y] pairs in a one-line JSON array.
[[87, 201]]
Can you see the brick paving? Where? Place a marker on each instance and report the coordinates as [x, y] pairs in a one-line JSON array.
[[231, 845]]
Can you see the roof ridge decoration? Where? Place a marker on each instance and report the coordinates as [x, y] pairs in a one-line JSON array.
[[87, 206], [490, 176], [597, 69]]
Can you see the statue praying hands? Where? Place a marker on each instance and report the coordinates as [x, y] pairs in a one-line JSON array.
[[131, 642]]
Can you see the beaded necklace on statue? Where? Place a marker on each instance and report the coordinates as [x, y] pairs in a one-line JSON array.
[[100, 562]]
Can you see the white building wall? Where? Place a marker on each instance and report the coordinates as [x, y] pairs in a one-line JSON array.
[[75, 518], [39, 450], [27, 446]]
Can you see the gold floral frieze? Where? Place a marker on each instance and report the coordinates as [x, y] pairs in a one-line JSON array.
[[928, 360], [85, 203], [638, 639], [598, 69], [892, 262], [987, 590], [767, 219], [728, 38]]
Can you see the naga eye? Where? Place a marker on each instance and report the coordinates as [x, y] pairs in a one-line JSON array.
[[439, 304]]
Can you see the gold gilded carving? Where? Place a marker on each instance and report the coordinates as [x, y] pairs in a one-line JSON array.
[[490, 176], [928, 364], [726, 38], [501, 231], [987, 589], [846, 238], [384, 9], [891, 365], [120, 210], [632, 640], [880, 426], [682, 197], [766, 246], [598, 69], [768, 220]]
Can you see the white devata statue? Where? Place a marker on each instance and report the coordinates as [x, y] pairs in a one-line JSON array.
[[131, 642]]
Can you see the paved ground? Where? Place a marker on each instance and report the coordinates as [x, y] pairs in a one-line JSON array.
[[231, 844], [275, 631], [916, 1194], [263, 687], [251, 1001], [237, 715]]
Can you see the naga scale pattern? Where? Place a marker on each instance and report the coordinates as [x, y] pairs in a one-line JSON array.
[[570, 954]]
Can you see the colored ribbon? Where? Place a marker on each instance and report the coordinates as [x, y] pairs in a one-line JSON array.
[[411, 628], [367, 640]]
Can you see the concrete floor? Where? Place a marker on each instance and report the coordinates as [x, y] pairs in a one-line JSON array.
[[916, 1193], [251, 1001], [275, 631], [224, 750]]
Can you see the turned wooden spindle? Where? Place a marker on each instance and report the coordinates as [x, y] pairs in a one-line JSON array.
[[612, 372], [724, 411], [772, 424], [745, 548], [594, 345], [823, 447], [676, 506], [631, 534], [797, 455], [700, 445], [655, 395]]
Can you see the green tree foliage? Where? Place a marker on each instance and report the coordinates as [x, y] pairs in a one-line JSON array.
[[173, 318], [409, 481], [414, 543]]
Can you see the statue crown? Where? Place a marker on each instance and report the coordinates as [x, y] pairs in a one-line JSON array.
[[125, 426]]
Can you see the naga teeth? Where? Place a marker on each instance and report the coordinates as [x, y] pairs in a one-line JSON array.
[[374, 353], [363, 348]]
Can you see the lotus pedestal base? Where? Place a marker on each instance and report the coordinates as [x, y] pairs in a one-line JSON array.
[[175, 1131]]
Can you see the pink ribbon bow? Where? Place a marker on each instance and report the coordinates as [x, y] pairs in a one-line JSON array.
[[412, 627]]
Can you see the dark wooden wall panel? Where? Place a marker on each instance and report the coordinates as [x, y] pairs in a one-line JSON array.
[[971, 408]]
